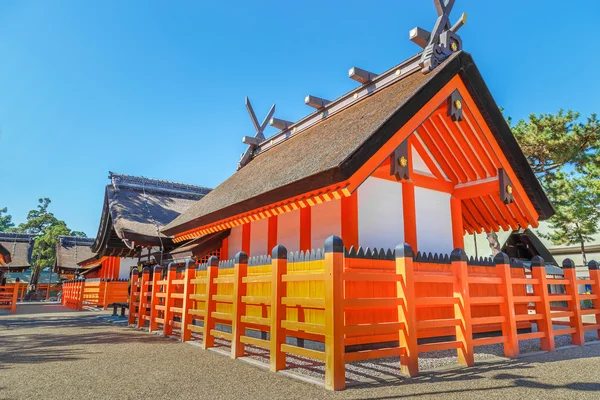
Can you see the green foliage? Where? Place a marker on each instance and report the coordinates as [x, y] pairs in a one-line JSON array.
[[564, 153], [47, 228], [5, 220], [576, 199], [552, 141]]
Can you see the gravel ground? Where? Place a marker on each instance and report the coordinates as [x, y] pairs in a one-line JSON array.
[[68, 355]]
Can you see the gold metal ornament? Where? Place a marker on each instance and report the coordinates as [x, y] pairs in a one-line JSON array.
[[509, 189], [403, 161], [458, 104], [454, 46]]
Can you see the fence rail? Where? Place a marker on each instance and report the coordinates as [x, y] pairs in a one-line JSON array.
[[361, 305], [9, 294], [94, 292]]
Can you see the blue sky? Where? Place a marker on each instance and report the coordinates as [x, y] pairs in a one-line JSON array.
[[157, 88]]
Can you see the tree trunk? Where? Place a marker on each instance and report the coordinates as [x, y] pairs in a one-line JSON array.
[[492, 239], [32, 287], [583, 253]]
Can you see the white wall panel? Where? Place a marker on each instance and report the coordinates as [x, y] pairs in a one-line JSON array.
[[288, 230], [259, 237], [125, 265], [235, 242], [434, 221], [325, 221], [380, 217]]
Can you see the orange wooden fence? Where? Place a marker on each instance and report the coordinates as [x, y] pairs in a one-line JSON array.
[[346, 299], [94, 292], [9, 295]]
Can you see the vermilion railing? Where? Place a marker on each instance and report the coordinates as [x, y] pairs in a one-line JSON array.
[[94, 292], [346, 299], [9, 294]]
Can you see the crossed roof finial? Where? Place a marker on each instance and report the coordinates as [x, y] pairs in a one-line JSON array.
[[440, 43], [259, 136]]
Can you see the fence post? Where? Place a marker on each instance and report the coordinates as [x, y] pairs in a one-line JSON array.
[[81, 294], [13, 305], [106, 298], [462, 310], [156, 273], [169, 302], [278, 290], [595, 277], [210, 306], [507, 307], [576, 322], [405, 290], [538, 272], [188, 289], [132, 294], [335, 367], [143, 302], [239, 307]]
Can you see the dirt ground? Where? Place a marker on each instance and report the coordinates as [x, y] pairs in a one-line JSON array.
[[49, 352]]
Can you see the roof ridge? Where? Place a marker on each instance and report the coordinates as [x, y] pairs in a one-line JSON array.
[[151, 184], [78, 239], [16, 236], [354, 96]]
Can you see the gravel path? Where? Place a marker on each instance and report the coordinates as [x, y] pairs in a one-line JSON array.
[[69, 355]]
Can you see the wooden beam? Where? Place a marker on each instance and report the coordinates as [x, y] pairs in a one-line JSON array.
[[360, 75], [305, 229], [458, 231], [478, 188], [315, 102], [410, 214]]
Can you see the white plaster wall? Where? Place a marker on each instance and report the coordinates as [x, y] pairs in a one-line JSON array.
[[288, 230], [325, 220], [419, 164], [259, 236], [434, 221], [235, 242], [380, 214], [125, 267]]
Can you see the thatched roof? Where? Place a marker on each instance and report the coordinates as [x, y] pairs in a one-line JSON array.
[[332, 150], [20, 247], [136, 208], [70, 251]]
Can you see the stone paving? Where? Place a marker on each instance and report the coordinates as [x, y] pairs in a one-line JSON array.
[[50, 352]]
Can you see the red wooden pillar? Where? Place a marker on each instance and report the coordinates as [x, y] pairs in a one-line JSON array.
[[188, 289], [246, 232], [225, 249], [410, 214], [143, 302], [305, 229], [272, 233], [458, 231], [349, 220], [169, 301]]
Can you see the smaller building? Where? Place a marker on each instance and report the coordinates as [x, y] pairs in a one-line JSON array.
[[15, 252], [70, 251]]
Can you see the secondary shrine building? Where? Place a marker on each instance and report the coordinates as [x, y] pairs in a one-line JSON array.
[[408, 156]]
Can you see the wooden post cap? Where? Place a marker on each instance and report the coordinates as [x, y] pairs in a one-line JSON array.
[[568, 263], [134, 271], [334, 244], [279, 253], [190, 264], [501, 259], [212, 261], [172, 266], [537, 262], [593, 265], [157, 268], [458, 255], [241, 258], [146, 269], [403, 250]]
